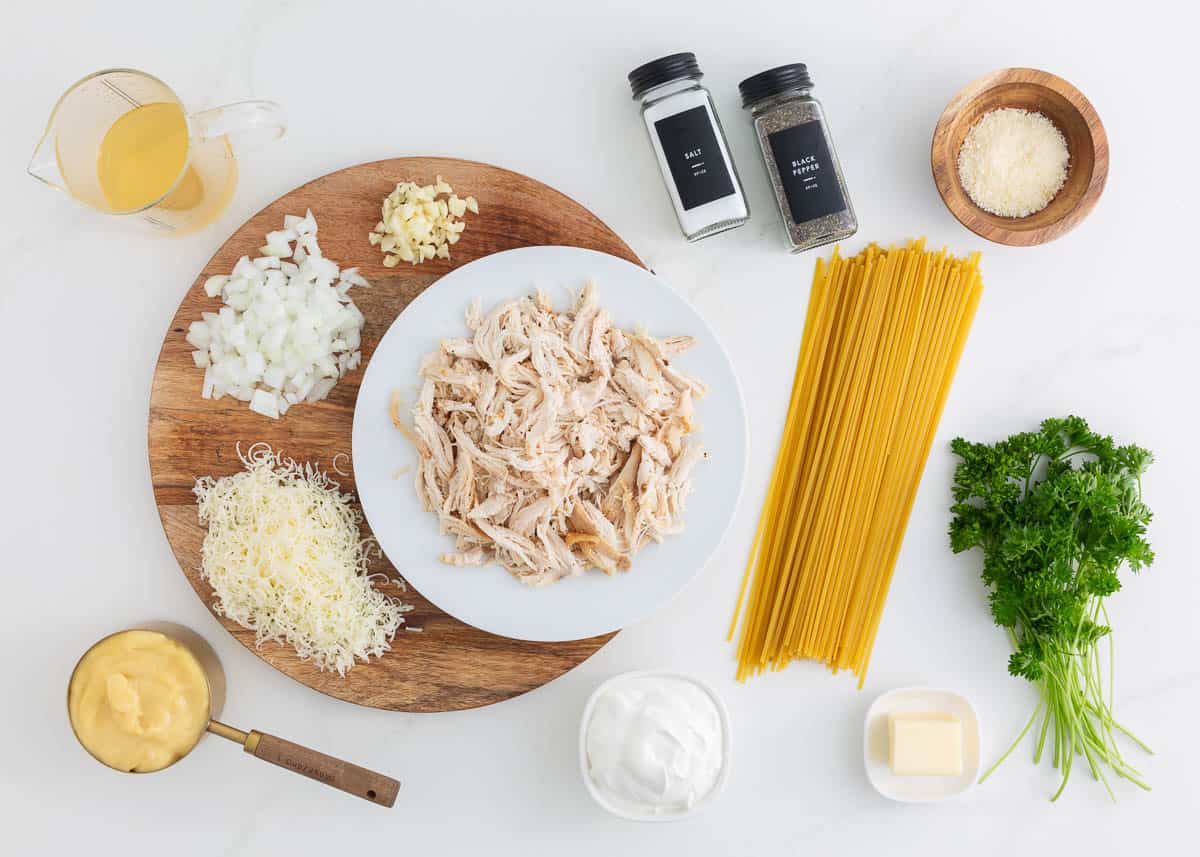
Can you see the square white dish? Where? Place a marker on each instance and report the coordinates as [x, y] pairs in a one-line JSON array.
[[910, 789]]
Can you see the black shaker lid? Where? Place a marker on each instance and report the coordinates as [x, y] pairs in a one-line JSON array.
[[663, 70], [774, 82]]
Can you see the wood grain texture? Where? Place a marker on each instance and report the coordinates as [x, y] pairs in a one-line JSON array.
[[449, 665], [360, 782], [1065, 106]]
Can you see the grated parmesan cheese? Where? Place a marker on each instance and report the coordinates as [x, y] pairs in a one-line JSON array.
[[285, 559], [1013, 162]]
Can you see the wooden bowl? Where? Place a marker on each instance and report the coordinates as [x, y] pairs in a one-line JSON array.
[[1072, 114]]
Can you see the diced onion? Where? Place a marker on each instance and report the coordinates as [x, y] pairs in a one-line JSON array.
[[288, 330]]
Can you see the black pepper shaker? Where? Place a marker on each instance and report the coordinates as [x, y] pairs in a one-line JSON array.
[[801, 160]]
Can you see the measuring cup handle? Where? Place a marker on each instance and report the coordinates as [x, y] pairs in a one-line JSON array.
[[245, 124], [351, 779]]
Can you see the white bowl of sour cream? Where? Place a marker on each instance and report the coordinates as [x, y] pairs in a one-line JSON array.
[[654, 745]]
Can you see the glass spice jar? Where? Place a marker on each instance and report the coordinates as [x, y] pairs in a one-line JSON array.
[[801, 160], [689, 143]]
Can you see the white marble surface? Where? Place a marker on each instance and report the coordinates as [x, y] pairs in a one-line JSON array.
[[1104, 322]]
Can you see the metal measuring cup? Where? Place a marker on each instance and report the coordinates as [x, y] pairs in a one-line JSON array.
[[339, 774]]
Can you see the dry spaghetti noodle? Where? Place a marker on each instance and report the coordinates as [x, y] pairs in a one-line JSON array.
[[882, 339]]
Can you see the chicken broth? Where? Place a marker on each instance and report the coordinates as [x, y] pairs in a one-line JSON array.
[[146, 158]]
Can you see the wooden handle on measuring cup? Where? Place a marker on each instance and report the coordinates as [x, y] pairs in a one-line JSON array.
[[351, 779]]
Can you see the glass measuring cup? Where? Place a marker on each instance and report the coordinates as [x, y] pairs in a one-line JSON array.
[[91, 146]]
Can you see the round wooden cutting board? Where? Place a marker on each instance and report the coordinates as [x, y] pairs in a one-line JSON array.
[[449, 665]]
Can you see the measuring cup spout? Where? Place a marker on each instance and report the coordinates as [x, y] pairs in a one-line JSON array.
[[43, 166]]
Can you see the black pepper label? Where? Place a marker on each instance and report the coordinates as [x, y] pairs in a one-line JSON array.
[[806, 169], [689, 143]]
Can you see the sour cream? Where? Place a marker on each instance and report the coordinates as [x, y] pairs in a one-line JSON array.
[[654, 745]]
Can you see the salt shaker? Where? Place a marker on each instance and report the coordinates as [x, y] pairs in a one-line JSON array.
[[690, 145], [801, 160]]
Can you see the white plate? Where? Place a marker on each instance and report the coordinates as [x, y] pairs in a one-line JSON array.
[[910, 789], [488, 597]]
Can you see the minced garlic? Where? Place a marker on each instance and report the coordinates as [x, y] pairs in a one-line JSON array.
[[417, 225]]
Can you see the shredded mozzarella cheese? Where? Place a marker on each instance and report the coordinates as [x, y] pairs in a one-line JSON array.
[[285, 558]]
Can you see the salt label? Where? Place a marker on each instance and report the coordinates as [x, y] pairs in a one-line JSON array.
[[694, 157]]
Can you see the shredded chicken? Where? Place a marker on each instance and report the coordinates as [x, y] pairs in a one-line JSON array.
[[552, 442]]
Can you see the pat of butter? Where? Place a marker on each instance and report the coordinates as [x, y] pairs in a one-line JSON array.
[[925, 744]]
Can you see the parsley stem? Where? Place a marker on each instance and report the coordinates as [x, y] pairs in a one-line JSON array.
[[1015, 743], [1041, 744]]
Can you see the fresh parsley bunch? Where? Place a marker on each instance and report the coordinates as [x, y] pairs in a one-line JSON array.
[[1057, 513]]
